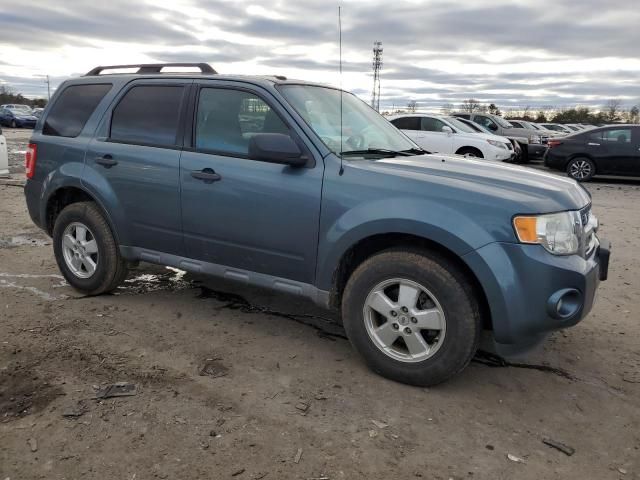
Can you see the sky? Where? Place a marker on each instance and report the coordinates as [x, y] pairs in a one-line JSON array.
[[517, 53]]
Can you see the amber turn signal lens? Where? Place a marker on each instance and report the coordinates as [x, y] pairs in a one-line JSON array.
[[526, 229]]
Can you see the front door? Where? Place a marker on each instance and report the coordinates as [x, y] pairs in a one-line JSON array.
[[431, 132], [135, 164], [248, 214]]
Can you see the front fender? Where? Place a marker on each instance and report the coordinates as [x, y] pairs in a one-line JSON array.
[[419, 217]]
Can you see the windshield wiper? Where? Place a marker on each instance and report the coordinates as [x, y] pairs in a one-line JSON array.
[[380, 151]]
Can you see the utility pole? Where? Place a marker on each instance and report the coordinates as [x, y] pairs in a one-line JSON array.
[[48, 89], [377, 66]]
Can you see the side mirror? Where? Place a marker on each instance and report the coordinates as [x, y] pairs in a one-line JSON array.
[[447, 129], [276, 148]]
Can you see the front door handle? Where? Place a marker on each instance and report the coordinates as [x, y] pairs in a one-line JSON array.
[[207, 175], [593, 144], [106, 161]]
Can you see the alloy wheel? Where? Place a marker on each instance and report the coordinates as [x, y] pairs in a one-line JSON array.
[[580, 169], [404, 320], [80, 250]]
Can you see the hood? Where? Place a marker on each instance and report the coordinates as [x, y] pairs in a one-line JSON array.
[[530, 191], [483, 136], [24, 116]]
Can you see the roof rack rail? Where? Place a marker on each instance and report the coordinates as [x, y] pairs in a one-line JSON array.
[[146, 68]]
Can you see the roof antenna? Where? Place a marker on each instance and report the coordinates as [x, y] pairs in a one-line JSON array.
[[340, 49]]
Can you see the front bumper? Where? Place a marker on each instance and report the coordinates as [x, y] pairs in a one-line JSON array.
[[525, 285]]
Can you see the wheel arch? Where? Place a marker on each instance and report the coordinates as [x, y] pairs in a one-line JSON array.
[[573, 156], [370, 245], [67, 195], [470, 147]]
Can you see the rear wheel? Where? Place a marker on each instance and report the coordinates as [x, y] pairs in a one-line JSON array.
[[581, 169], [86, 250], [412, 315]]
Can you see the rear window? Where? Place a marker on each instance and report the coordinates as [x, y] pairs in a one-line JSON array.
[[407, 123], [148, 115], [73, 108]]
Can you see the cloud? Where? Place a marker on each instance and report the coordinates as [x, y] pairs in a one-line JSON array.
[[529, 52]]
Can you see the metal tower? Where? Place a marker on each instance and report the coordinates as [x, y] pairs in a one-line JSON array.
[[377, 66]]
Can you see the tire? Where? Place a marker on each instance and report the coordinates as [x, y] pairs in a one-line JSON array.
[[447, 290], [14, 124], [110, 268], [524, 154], [581, 169], [470, 152]]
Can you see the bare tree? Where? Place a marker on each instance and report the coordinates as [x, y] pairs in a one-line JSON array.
[[634, 114], [412, 105], [447, 108], [612, 110], [493, 109], [471, 105], [526, 113]]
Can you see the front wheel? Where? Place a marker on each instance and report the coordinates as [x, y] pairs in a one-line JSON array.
[[412, 315], [581, 169], [86, 250]]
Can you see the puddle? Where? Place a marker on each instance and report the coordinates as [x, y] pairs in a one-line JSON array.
[[172, 279], [24, 239]]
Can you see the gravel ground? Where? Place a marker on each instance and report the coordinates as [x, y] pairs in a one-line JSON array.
[[243, 384]]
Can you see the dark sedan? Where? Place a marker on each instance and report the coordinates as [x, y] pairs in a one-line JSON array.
[[17, 118], [613, 150]]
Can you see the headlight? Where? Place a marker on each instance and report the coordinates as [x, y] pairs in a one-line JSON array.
[[535, 139], [497, 144], [556, 232]]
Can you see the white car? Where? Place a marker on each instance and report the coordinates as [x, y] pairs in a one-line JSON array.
[[4, 157], [445, 134]]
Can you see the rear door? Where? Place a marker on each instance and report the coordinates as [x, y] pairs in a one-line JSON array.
[[137, 162], [620, 150], [247, 216], [410, 126]]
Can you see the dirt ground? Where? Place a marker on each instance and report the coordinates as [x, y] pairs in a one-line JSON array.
[[242, 384]]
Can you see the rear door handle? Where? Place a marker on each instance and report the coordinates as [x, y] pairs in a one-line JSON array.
[[593, 144], [106, 161], [207, 175]]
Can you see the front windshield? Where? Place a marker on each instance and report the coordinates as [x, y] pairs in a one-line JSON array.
[[20, 109], [362, 127], [463, 127]]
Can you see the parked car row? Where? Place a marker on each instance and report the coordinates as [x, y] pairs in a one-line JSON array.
[[17, 116]]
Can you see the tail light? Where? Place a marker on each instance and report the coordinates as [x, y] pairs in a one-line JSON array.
[[554, 143], [30, 160]]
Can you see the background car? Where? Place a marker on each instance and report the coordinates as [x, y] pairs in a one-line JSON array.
[[4, 158], [602, 151], [15, 117], [556, 127], [444, 134], [529, 139], [37, 112], [476, 127]]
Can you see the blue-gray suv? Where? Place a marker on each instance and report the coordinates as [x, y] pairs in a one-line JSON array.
[[305, 189]]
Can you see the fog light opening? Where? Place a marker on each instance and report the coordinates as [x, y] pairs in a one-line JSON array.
[[565, 303]]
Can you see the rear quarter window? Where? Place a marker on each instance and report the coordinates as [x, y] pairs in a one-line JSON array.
[[72, 109]]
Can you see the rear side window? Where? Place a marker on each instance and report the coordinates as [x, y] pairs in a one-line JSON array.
[[622, 135], [73, 108], [407, 123], [148, 115]]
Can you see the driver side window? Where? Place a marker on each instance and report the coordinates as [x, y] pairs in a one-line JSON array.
[[430, 124], [486, 122], [227, 119]]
